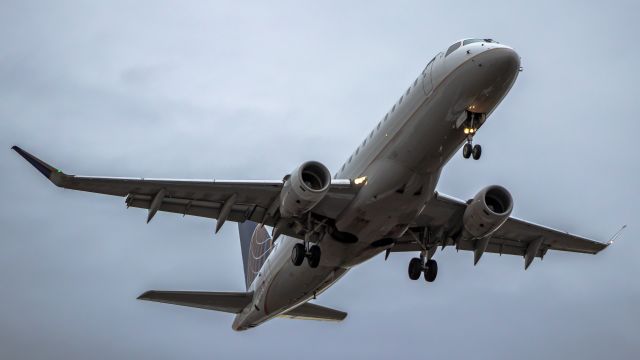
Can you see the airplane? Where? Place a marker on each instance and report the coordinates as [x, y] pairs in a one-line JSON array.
[[382, 199]]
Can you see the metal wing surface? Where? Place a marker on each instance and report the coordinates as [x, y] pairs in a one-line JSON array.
[[234, 200], [514, 237]]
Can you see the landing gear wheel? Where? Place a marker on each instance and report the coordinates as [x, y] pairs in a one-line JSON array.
[[415, 268], [476, 152], [431, 271], [314, 256], [297, 254], [466, 150]]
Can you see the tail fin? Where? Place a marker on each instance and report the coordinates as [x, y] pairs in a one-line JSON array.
[[256, 245]]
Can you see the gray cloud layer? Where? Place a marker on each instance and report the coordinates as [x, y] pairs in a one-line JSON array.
[[250, 90]]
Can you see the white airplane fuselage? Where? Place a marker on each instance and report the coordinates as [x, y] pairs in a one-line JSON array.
[[401, 161]]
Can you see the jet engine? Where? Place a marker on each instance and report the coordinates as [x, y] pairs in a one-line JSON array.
[[487, 211], [304, 189]]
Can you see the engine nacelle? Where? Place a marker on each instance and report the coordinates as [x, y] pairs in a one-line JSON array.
[[304, 189], [488, 210]]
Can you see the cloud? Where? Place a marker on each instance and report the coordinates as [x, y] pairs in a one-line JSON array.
[[250, 90]]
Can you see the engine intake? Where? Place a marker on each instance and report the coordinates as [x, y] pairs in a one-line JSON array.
[[488, 210], [304, 188]]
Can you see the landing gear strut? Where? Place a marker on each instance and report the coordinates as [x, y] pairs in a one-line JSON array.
[[470, 128], [305, 249], [299, 252], [418, 266]]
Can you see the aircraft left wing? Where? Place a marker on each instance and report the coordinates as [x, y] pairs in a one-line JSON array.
[[217, 199], [443, 214]]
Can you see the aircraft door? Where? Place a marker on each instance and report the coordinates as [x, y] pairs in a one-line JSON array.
[[427, 75], [427, 85]]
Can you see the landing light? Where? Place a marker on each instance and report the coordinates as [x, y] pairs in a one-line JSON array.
[[466, 131], [361, 180]]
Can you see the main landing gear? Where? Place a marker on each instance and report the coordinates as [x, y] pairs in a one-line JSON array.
[[299, 252], [470, 128], [419, 265]]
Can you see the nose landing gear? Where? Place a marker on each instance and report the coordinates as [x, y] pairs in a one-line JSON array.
[[469, 150], [471, 127]]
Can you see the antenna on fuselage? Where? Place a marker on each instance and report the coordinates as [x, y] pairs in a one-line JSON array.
[[617, 235]]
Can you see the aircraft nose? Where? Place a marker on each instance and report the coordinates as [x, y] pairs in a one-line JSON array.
[[505, 60]]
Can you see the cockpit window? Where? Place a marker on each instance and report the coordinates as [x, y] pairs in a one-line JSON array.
[[452, 48], [471, 41]]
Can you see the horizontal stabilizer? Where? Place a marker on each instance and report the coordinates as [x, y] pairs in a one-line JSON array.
[[310, 311], [231, 302]]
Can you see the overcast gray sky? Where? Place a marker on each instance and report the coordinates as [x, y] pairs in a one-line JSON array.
[[248, 90]]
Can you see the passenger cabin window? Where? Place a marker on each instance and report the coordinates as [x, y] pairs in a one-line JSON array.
[[471, 41], [452, 48], [393, 109], [401, 97]]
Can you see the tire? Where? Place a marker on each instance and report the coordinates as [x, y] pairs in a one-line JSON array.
[[476, 152], [314, 256], [466, 150], [297, 254], [415, 268], [432, 271]]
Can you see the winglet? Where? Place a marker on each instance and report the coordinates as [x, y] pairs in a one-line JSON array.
[[44, 168]]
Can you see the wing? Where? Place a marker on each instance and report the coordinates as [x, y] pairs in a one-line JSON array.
[[223, 200], [443, 214]]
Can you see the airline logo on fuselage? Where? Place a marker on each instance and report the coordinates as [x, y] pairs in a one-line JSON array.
[[259, 249]]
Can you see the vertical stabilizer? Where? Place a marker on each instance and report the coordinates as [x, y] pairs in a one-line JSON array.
[[256, 244]]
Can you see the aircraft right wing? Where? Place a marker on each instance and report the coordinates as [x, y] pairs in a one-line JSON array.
[[217, 199]]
